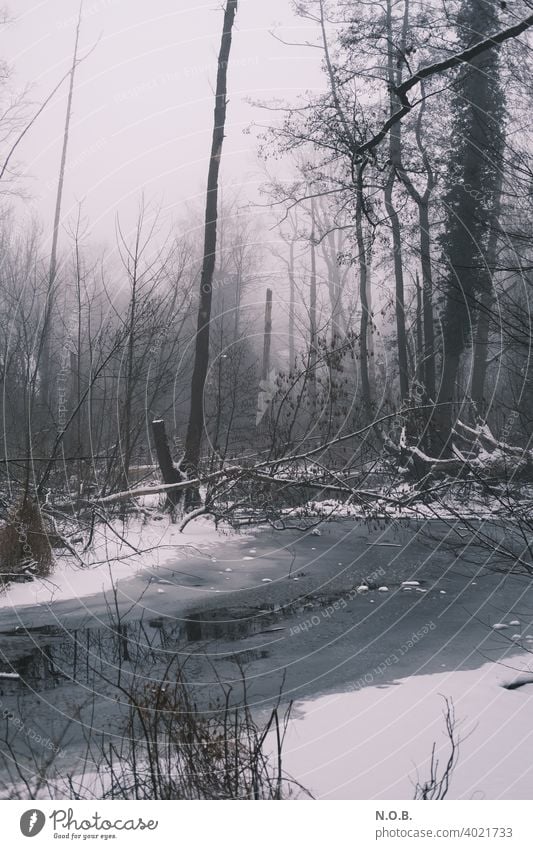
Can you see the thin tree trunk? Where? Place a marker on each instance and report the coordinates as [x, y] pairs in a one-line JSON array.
[[427, 302], [335, 287], [265, 390], [370, 329], [201, 358], [399, 291], [238, 298], [267, 341], [427, 371], [363, 280], [292, 307], [313, 352], [395, 162], [479, 363], [480, 347], [52, 272], [419, 331], [127, 411]]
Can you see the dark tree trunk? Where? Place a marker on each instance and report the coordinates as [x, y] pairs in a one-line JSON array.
[[422, 201], [313, 349], [395, 155], [267, 335], [363, 280], [419, 331], [427, 302], [399, 288], [46, 346], [481, 342], [201, 357], [471, 200], [479, 359], [265, 390], [292, 308], [169, 472]]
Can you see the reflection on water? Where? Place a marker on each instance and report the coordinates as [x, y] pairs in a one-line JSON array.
[[46, 657]]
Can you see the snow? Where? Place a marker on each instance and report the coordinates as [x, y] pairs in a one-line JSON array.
[[112, 559], [371, 743]]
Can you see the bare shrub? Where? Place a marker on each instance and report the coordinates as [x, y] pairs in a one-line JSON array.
[[173, 749], [437, 785]]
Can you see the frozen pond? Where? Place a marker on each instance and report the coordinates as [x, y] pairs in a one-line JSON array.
[[351, 608]]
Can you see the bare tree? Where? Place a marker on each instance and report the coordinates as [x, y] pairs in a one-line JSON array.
[[195, 427], [52, 276]]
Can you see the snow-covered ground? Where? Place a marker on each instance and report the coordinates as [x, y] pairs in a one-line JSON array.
[[117, 552], [373, 743]]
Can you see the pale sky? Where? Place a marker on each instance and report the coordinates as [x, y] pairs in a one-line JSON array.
[[144, 97]]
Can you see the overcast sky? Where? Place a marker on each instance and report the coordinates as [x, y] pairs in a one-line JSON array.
[[144, 97]]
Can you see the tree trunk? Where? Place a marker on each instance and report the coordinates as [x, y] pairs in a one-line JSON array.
[[422, 202], [363, 279], [479, 360], [335, 288], [264, 397], [292, 308], [169, 472], [399, 289], [46, 368], [395, 148], [313, 351], [427, 301], [201, 357], [267, 336], [480, 347], [419, 331], [472, 197]]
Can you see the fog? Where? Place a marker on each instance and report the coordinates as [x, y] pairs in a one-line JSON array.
[[144, 98]]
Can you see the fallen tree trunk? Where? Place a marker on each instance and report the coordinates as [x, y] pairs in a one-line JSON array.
[[169, 472]]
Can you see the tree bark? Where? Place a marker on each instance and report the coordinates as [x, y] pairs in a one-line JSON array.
[[427, 301], [169, 472], [363, 280], [267, 336], [401, 332], [52, 272], [471, 201], [201, 358], [480, 347], [313, 350], [395, 148], [292, 308]]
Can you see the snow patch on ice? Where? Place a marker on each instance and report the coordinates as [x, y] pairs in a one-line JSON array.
[[117, 554], [370, 744]]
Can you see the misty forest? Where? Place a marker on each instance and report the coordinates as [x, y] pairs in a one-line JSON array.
[[266, 448]]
